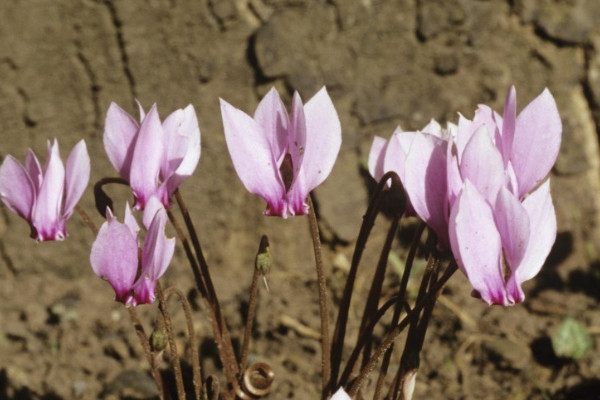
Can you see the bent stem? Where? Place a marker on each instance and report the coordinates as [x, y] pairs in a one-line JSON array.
[[325, 349], [435, 291], [187, 310]]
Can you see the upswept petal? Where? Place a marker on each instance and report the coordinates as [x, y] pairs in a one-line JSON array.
[[323, 140], [251, 155], [536, 142], [130, 221], [425, 183], [481, 163], [156, 256], [542, 219], [114, 256], [77, 176], [453, 176], [466, 129], [183, 148], [16, 189], [434, 128], [512, 222], [120, 133], [297, 135], [377, 157], [45, 213], [147, 158], [34, 169], [509, 121], [152, 207], [397, 149], [476, 245], [272, 117]]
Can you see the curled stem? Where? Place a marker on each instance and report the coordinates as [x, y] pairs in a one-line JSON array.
[[164, 310], [187, 310], [325, 346]]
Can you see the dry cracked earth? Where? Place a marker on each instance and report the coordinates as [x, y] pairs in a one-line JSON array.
[[385, 63]]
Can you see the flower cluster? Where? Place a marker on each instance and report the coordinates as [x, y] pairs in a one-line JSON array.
[[481, 186]]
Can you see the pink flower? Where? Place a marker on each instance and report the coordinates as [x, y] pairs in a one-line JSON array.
[[482, 188], [114, 255], [154, 158], [282, 158], [340, 395], [45, 198]]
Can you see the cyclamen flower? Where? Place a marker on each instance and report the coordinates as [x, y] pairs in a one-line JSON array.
[[114, 254], [283, 158], [482, 187], [45, 198], [154, 158]]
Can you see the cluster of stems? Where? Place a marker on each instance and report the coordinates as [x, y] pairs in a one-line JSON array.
[[252, 382]]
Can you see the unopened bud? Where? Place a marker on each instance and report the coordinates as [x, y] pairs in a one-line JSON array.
[[159, 339], [264, 258]]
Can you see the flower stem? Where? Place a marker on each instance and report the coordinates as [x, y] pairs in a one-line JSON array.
[[435, 291], [325, 346], [187, 310], [164, 310]]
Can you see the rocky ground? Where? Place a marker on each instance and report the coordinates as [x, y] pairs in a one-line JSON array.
[[385, 63]]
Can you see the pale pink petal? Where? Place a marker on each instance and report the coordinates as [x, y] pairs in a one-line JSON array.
[[376, 157], [34, 169], [397, 149], [536, 142], [297, 133], [16, 189], [130, 221], [152, 207], [425, 182], [433, 128], [156, 256], [140, 110], [512, 222], [482, 164], [509, 121], [45, 214], [120, 133], [251, 155], [340, 395], [273, 119], [476, 245], [76, 178], [323, 141], [114, 257], [543, 231], [453, 176], [147, 157], [183, 135], [466, 128], [297, 183]]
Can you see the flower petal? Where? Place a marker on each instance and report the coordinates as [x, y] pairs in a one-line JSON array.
[[252, 158], [397, 149], [147, 158], [130, 221], [16, 189], [45, 214], [120, 133], [114, 257], [476, 245], [482, 164], [76, 178], [323, 141], [340, 395], [34, 169], [376, 157], [425, 182], [182, 137], [536, 142], [509, 121], [273, 119]]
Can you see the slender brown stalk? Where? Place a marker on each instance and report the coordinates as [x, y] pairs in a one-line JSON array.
[[398, 309], [164, 310], [262, 264], [325, 347], [86, 218], [139, 330], [389, 339], [344, 308], [187, 310], [221, 345], [230, 363]]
